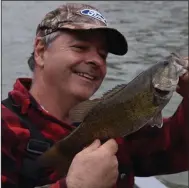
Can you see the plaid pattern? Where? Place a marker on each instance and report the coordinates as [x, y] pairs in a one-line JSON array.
[[148, 152]]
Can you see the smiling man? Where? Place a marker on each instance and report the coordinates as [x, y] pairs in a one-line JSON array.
[[72, 68], [69, 65]]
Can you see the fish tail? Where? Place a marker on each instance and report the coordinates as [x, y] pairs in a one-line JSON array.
[[55, 160]]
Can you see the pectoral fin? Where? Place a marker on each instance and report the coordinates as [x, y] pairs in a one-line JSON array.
[[157, 120]]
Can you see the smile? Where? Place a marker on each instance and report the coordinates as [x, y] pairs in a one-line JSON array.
[[85, 75]]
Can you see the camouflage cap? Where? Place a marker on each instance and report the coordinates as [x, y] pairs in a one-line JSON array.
[[76, 16]]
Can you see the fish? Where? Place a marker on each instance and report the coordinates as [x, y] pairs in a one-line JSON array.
[[119, 112]]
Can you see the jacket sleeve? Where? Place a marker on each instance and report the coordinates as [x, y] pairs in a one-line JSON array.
[[155, 151]]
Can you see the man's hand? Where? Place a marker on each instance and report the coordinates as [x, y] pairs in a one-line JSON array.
[[95, 166], [183, 85]]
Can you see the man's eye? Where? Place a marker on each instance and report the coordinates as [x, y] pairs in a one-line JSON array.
[[80, 47]]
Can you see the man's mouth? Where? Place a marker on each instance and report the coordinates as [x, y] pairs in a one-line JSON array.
[[85, 75]]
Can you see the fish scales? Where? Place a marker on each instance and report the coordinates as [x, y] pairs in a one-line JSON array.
[[121, 111]]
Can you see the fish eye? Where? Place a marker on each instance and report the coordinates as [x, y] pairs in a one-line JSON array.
[[166, 62]]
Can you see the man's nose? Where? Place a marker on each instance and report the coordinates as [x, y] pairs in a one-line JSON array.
[[96, 60]]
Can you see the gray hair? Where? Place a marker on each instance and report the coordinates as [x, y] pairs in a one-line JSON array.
[[47, 40]]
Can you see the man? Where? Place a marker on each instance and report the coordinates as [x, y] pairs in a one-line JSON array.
[[69, 65]]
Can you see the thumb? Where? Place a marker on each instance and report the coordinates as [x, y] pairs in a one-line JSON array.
[[111, 146], [187, 62], [96, 144]]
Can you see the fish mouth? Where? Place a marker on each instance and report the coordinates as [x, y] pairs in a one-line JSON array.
[[160, 96], [165, 88], [167, 79], [161, 92], [164, 91]]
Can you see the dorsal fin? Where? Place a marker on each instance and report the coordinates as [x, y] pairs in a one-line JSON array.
[[113, 91], [78, 113]]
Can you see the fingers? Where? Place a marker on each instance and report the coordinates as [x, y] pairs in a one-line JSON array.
[[110, 146], [96, 144], [183, 85], [187, 62], [85, 170], [178, 90], [183, 82], [186, 77]]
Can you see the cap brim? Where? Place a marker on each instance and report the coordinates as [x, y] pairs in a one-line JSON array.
[[117, 43]]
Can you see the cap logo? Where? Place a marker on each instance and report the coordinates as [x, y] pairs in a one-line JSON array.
[[95, 14]]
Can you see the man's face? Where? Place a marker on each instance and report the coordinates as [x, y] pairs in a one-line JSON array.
[[75, 63]]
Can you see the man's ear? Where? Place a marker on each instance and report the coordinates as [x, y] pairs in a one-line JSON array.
[[39, 49]]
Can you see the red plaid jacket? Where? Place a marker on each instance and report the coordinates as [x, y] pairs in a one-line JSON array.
[[148, 152]]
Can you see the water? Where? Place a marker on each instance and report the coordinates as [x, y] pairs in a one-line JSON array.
[[152, 29]]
